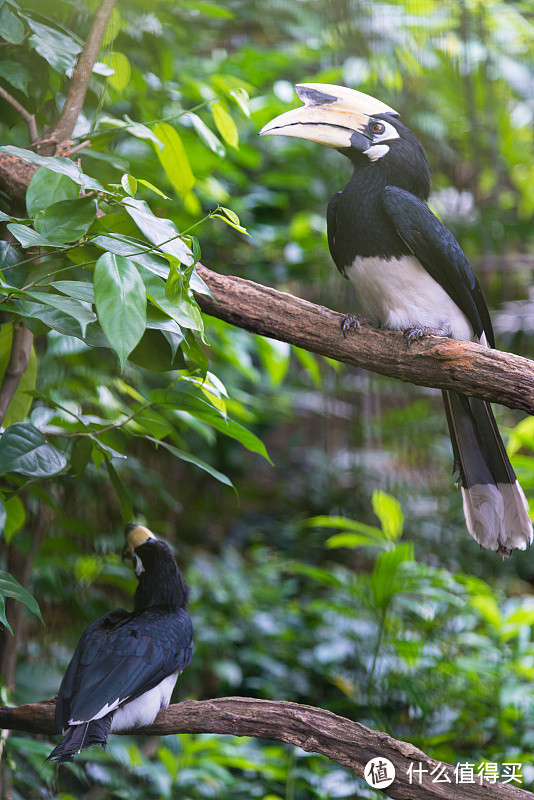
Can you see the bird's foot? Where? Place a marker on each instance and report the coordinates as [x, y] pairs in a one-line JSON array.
[[417, 331], [354, 321]]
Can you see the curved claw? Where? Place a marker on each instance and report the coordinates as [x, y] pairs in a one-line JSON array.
[[350, 321]]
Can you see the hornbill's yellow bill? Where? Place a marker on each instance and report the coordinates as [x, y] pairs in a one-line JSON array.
[[332, 115], [135, 535]]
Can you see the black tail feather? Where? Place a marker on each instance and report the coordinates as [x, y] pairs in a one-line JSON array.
[[495, 507], [78, 737]]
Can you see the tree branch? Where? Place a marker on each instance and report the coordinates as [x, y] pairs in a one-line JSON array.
[[433, 361], [19, 357], [82, 73], [28, 118], [313, 729]]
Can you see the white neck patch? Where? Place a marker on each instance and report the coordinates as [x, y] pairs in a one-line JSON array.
[[376, 151], [138, 565]]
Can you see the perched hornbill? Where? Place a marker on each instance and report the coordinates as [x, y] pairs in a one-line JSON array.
[[126, 663], [411, 275]]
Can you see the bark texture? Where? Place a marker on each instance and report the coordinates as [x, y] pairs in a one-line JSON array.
[[314, 730]]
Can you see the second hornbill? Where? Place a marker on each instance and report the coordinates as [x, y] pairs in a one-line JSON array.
[[126, 663], [413, 276]]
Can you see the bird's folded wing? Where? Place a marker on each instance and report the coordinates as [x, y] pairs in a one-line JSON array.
[[440, 254], [119, 659]]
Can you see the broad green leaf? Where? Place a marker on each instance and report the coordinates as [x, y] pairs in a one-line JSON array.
[[74, 308], [15, 517], [3, 618], [47, 188], [155, 352], [129, 184], [122, 71], [184, 313], [384, 582], [11, 28], [23, 449], [67, 220], [207, 136], [64, 166], [191, 459], [389, 512], [15, 74], [137, 251], [120, 298], [27, 237], [9, 587], [174, 159], [309, 362], [78, 290], [153, 188], [159, 231], [225, 125], [241, 97], [121, 492], [54, 46]]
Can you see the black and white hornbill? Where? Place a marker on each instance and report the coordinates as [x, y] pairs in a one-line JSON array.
[[412, 276], [126, 663]]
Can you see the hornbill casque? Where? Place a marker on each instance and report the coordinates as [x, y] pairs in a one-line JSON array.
[[126, 663], [412, 275]]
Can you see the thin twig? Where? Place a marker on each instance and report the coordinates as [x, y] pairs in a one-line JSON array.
[[28, 118]]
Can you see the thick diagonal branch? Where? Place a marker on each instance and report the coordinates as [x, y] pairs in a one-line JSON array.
[[82, 73], [433, 361], [313, 729]]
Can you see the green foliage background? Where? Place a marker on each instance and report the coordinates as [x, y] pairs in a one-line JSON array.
[[314, 584]]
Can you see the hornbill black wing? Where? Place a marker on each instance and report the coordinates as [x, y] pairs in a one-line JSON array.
[[440, 254], [331, 229], [120, 657]]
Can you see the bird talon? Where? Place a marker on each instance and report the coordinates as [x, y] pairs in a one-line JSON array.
[[350, 321]]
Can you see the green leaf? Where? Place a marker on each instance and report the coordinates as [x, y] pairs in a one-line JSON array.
[[389, 512], [161, 232], [191, 459], [207, 136], [67, 220], [241, 97], [21, 402], [11, 28], [64, 166], [67, 305], [120, 298], [275, 357], [225, 125], [23, 449], [121, 492], [27, 237], [78, 290], [9, 587], [129, 184], [173, 158], [183, 313], [47, 188], [122, 71], [384, 582], [153, 188], [15, 74], [55, 47], [15, 517]]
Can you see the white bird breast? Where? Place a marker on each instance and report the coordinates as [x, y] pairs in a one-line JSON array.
[[401, 294]]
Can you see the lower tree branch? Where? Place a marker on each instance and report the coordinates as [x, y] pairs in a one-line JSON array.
[[313, 729], [21, 346], [433, 361]]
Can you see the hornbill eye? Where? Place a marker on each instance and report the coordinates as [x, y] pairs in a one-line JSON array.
[[377, 127]]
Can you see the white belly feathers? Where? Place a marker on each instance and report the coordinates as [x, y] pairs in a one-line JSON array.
[[401, 294], [144, 709]]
